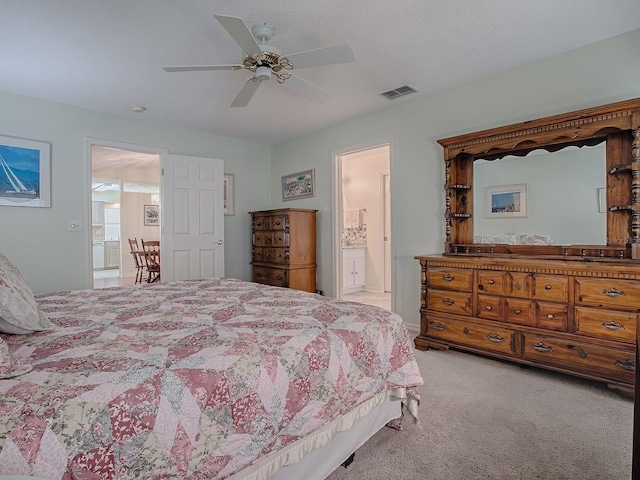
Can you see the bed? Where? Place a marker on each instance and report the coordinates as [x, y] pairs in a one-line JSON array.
[[215, 378]]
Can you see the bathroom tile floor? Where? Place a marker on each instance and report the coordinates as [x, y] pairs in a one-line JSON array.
[[370, 298]]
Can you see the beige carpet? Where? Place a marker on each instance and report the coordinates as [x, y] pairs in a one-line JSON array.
[[486, 419]]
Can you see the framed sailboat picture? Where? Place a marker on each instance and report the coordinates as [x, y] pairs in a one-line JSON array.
[[25, 172]]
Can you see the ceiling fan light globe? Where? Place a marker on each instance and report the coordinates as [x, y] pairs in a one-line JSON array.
[[263, 73]]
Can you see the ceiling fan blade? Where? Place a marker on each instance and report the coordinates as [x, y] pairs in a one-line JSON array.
[[322, 56], [240, 33], [245, 93], [201, 68], [306, 89]]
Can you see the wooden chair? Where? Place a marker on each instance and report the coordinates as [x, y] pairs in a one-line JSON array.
[[138, 258], [151, 255]]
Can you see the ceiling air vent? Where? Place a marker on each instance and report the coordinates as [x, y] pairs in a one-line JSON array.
[[398, 92]]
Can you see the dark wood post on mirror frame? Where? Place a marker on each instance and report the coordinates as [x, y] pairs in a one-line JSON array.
[[635, 192], [635, 229]]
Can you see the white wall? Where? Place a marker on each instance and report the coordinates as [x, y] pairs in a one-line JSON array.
[[38, 240], [600, 73]]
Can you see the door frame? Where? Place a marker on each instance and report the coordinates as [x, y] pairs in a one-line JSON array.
[[88, 143], [337, 206]]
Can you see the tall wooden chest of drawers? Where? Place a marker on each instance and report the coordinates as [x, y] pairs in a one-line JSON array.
[[284, 248], [572, 317]]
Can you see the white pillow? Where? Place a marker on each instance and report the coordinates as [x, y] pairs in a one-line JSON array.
[[18, 307]]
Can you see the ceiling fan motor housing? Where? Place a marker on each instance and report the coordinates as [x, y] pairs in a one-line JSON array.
[[262, 31], [263, 73]]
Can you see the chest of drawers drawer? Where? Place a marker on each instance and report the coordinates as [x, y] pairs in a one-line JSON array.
[[270, 276], [519, 311], [553, 288], [519, 284], [552, 316], [609, 324], [492, 282], [612, 293], [449, 301], [490, 307], [492, 338], [460, 279], [589, 358]]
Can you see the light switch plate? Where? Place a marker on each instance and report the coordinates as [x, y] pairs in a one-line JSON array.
[[75, 225]]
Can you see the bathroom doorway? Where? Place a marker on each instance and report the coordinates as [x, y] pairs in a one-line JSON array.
[[364, 226]]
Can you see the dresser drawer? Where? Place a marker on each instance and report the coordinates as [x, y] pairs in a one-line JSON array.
[[460, 279], [490, 307], [554, 288], [449, 302], [552, 316], [492, 282], [278, 222], [260, 223], [281, 256], [258, 239], [270, 276], [608, 324], [592, 359], [258, 254], [519, 311], [519, 284], [495, 339], [280, 239], [608, 292]]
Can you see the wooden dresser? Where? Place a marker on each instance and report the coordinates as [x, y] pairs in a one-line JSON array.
[[571, 308], [572, 317], [284, 248]]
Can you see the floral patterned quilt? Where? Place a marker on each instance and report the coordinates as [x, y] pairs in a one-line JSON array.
[[195, 379]]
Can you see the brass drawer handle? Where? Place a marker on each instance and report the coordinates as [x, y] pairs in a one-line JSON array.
[[495, 338], [629, 365], [613, 293], [517, 311], [438, 327], [491, 282], [518, 285], [488, 307], [612, 325], [542, 348], [550, 316], [547, 287], [279, 277], [448, 278], [448, 302]]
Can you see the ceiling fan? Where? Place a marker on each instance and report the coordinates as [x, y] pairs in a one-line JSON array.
[[266, 61]]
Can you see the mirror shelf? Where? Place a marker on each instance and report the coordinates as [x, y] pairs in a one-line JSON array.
[[617, 125]]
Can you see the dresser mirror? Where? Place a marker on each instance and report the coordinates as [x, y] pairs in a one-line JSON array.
[[564, 207], [606, 181]]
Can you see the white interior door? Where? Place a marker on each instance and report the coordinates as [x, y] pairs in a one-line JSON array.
[[191, 218]]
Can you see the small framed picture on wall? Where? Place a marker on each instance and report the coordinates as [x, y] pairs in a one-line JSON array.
[[151, 215]]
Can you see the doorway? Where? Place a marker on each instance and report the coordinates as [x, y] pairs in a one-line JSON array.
[[363, 227], [123, 180]]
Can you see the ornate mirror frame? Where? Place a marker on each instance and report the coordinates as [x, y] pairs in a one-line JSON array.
[[618, 124]]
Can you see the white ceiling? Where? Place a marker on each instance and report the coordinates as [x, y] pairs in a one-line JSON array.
[[108, 55]]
